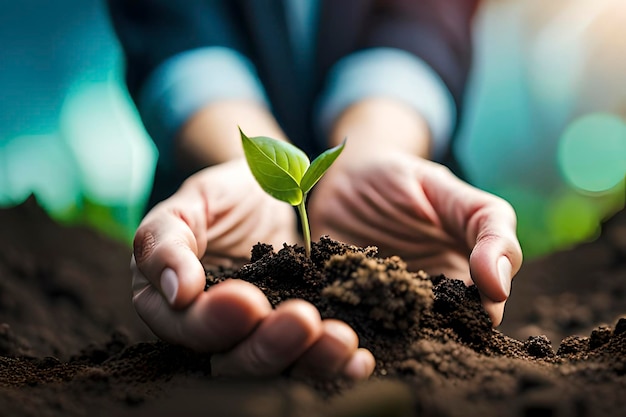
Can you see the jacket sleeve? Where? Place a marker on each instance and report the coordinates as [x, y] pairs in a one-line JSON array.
[[417, 51], [151, 31], [437, 31], [179, 59], [391, 73]]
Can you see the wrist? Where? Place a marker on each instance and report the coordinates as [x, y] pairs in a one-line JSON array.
[[379, 126], [211, 135]]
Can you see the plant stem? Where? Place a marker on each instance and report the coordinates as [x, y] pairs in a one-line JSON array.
[[306, 232]]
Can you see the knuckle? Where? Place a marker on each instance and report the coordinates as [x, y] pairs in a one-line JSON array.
[[258, 360], [487, 237], [443, 170], [504, 206], [144, 245]]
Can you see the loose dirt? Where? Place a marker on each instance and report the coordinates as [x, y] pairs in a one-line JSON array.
[[71, 345]]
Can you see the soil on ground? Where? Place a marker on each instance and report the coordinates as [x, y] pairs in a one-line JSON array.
[[71, 344]]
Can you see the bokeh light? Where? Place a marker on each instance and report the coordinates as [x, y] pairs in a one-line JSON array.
[[532, 228], [114, 152], [572, 218], [541, 121], [555, 63], [41, 165], [592, 152], [115, 155]]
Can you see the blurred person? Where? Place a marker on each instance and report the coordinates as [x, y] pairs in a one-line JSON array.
[[389, 75]]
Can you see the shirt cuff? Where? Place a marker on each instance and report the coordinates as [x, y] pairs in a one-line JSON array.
[[187, 82], [394, 73]]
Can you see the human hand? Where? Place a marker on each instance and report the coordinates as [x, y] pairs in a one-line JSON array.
[[420, 211], [219, 213]]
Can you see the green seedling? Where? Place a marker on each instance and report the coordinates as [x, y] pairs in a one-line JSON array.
[[285, 172]]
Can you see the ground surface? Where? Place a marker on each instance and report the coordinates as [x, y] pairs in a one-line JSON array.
[[70, 344]]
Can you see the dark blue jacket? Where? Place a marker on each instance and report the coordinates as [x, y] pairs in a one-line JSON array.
[[437, 31]]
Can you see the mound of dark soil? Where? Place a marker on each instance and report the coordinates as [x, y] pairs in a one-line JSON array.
[[71, 345]]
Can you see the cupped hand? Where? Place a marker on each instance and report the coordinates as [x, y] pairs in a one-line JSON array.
[[419, 210], [220, 213]]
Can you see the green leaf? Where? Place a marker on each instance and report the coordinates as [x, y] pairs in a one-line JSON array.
[[319, 166], [277, 166]]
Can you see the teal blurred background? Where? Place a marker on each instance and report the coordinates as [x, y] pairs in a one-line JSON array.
[[545, 124], [68, 130]]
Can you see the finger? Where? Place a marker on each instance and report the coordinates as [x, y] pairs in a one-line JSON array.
[[276, 344], [495, 309], [217, 320], [497, 255], [486, 223], [360, 366], [331, 352], [167, 247], [336, 352]]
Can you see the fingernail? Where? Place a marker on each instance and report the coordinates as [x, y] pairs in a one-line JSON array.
[[504, 273], [169, 284], [358, 367]]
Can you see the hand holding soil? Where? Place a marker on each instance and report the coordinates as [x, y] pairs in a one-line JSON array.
[[416, 209], [218, 215]]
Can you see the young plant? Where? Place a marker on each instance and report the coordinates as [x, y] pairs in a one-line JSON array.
[[285, 172]]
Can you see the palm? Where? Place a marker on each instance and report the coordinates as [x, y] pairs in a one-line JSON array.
[[387, 205], [238, 213], [221, 212], [418, 210]]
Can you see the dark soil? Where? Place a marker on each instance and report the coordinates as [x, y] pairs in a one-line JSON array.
[[71, 345]]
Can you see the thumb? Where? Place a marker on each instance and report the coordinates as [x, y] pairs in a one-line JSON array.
[[488, 225], [166, 251], [496, 256]]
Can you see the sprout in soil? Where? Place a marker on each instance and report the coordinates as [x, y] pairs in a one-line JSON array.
[[285, 172]]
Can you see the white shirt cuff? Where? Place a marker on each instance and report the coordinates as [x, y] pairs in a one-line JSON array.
[[394, 73], [187, 82]]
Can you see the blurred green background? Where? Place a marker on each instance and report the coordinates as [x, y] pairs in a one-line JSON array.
[[545, 125]]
